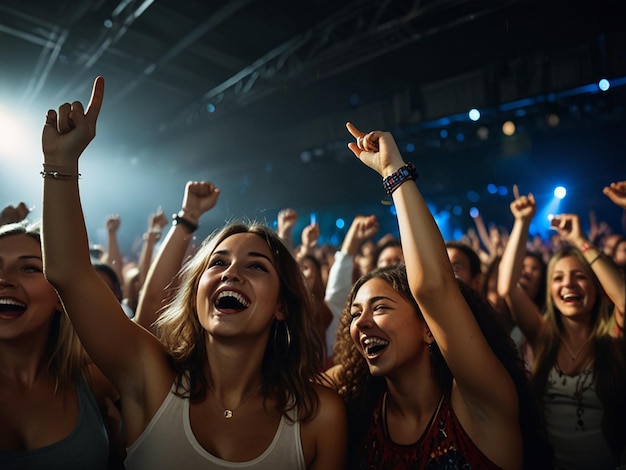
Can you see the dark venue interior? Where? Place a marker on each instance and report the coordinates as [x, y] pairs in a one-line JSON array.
[[254, 95]]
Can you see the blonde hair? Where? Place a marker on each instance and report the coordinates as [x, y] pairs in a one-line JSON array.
[[66, 358]]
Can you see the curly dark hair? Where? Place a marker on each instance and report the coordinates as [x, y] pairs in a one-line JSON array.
[[361, 391]]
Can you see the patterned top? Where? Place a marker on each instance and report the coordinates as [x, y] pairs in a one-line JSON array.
[[444, 444]]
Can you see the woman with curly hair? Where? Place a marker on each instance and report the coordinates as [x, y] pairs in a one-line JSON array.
[[429, 377], [231, 382]]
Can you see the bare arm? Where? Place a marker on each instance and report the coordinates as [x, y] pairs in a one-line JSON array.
[[483, 382], [199, 197], [113, 255], [130, 357], [523, 310]]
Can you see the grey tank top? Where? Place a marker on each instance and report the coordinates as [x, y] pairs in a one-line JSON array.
[[86, 447]]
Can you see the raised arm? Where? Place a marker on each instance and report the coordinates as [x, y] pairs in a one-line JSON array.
[[199, 197], [285, 222], [341, 272], [482, 380], [129, 356], [616, 192], [156, 222], [523, 310], [113, 254]]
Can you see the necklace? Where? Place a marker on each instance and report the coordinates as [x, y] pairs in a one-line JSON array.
[[574, 355], [229, 412]]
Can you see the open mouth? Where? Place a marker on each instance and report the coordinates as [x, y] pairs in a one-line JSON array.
[[571, 298], [11, 307], [373, 346], [229, 301]]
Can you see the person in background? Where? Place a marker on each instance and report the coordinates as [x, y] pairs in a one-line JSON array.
[[56, 408], [579, 370]]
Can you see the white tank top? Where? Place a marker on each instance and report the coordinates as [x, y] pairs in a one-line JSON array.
[[169, 443]]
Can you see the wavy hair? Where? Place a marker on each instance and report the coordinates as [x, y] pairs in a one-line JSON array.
[[361, 391], [287, 375], [609, 354], [65, 356]]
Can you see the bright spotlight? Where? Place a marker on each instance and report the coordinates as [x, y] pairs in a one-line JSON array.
[[474, 114], [473, 212], [560, 192], [340, 223], [604, 84], [12, 134]]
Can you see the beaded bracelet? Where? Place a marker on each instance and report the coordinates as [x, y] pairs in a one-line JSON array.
[[180, 219], [395, 179], [58, 176]]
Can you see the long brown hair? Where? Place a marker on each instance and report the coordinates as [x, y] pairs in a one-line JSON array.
[[293, 352]]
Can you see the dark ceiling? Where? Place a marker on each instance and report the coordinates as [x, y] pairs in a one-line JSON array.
[[253, 95]]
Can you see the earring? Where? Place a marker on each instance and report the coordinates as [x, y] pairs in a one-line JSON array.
[[287, 339]]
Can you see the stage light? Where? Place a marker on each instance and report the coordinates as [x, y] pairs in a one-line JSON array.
[[604, 84], [460, 137], [410, 147], [474, 114], [560, 192], [492, 188], [340, 223], [508, 128], [443, 133], [473, 212], [210, 108]]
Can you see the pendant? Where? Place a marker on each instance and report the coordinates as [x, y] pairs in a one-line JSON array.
[[228, 414]]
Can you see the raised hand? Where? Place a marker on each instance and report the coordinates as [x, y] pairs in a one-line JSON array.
[[377, 149], [286, 221], [157, 221], [113, 223], [310, 235], [568, 227], [616, 192], [11, 214], [523, 207], [67, 132], [200, 197]]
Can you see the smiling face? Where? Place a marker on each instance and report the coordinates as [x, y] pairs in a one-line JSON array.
[[386, 329], [572, 290], [27, 301], [238, 293]]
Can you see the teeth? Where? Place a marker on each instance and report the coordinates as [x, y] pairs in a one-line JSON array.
[[12, 302], [570, 297], [369, 342], [229, 293]]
